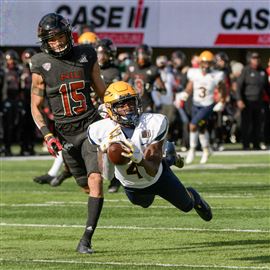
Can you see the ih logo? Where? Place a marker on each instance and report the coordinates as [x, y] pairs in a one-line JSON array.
[[138, 16]]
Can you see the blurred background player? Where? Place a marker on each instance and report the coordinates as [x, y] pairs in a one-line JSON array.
[[202, 83], [2, 93], [144, 76], [88, 38], [106, 55]]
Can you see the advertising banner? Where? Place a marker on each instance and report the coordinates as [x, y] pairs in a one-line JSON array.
[[157, 23]]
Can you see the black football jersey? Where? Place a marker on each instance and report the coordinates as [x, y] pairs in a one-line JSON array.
[[143, 78], [68, 80], [110, 74]]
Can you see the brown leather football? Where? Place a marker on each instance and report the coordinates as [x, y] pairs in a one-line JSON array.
[[114, 154]]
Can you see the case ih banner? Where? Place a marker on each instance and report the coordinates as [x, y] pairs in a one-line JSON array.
[[157, 23]]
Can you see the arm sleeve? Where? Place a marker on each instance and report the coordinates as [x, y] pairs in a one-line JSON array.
[[162, 131]]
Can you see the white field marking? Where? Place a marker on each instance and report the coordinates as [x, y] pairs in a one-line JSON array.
[[198, 153], [213, 266], [214, 166], [3, 224], [64, 204]]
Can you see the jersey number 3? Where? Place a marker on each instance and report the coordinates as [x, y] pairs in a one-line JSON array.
[[74, 102]]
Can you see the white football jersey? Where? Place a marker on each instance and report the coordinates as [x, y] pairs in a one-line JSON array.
[[152, 128], [204, 85]]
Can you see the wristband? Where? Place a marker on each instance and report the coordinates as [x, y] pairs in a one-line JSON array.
[[44, 131]]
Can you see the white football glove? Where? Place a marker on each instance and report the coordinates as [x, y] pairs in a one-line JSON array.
[[219, 107], [102, 110], [112, 137], [182, 96], [132, 151]]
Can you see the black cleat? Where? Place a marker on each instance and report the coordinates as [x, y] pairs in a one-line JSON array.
[[114, 185], [202, 208], [172, 157], [84, 247], [43, 179], [57, 181]]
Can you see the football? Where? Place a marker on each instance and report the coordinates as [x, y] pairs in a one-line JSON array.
[[114, 154]]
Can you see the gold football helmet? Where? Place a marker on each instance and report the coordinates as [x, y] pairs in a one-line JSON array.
[[117, 94], [88, 38], [206, 56]]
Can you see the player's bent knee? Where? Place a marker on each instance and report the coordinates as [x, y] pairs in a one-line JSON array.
[[95, 183]]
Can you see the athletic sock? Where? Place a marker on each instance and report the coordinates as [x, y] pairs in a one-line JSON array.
[[204, 139], [193, 139], [58, 161], [94, 210]]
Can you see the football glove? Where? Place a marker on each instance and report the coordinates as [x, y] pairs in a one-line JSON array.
[[132, 151], [180, 98], [112, 137], [219, 107], [102, 110], [53, 144]]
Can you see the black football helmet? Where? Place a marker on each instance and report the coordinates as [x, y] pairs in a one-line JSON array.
[[143, 55], [106, 51], [178, 59], [51, 25], [27, 54]]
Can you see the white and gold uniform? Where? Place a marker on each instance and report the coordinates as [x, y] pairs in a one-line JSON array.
[[204, 85], [150, 129]]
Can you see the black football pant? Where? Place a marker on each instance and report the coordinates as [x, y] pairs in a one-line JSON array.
[[167, 187]]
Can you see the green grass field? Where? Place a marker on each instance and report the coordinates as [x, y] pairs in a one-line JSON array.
[[41, 225]]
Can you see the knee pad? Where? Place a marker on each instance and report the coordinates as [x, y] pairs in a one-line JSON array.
[[82, 181]]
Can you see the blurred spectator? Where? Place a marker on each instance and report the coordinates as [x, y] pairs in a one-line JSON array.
[[164, 102], [2, 91], [217, 125], [178, 60], [251, 85], [124, 60], [195, 61], [13, 109], [27, 123]]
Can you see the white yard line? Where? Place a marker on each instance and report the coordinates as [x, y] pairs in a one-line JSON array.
[[214, 266], [3, 224], [64, 204]]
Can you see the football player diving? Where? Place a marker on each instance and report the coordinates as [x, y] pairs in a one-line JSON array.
[[142, 136]]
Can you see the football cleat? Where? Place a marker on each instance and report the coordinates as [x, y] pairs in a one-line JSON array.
[[57, 181], [114, 185], [205, 155], [84, 247], [43, 179], [202, 208], [190, 156], [171, 156]]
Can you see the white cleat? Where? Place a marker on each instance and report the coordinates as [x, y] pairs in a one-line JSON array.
[[205, 155], [190, 156]]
